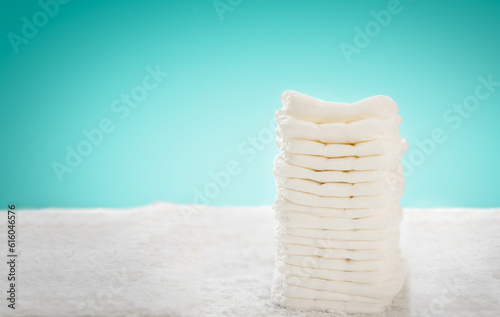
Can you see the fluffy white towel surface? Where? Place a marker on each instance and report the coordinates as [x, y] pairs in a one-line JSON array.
[[97, 262], [191, 261]]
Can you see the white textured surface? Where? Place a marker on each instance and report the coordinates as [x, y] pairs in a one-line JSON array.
[[166, 260]]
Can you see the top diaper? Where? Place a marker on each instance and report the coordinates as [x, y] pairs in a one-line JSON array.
[[310, 109]]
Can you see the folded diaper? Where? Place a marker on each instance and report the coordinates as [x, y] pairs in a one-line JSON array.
[[339, 202], [334, 253], [365, 277], [283, 204], [347, 163], [389, 242], [357, 234], [293, 291], [341, 189], [383, 145], [284, 169], [339, 179], [383, 291], [311, 221], [317, 262], [311, 109], [329, 305], [342, 271], [354, 132]]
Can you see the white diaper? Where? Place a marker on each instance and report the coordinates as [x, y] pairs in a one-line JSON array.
[[354, 132], [305, 292], [293, 290], [348, 163], [376, 147], [384, 290], [339, 202], [368, 277], [316, 262], [284, 169], [329, 305], [390, 242], [357, 235], [378, 187], [282, 204], [314, 110], [333, 253], [311, 221]]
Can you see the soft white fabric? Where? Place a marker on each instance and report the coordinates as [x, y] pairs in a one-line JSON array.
[[453, 256], [354, 132], [105, 263], [376, 147], [311, 109], [284, 169], [339, 202], [340, 189]]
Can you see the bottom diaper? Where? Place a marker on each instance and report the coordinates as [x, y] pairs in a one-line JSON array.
[[293, 286]]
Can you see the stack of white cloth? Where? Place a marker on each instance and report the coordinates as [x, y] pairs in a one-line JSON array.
[[339, 178]]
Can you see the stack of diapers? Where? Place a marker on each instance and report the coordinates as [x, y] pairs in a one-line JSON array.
[[339, 178]]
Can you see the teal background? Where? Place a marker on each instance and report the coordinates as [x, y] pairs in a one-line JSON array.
[[225, 80]]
